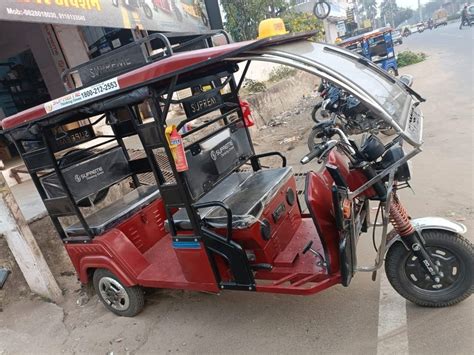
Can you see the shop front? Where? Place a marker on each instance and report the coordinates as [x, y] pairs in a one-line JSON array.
[[43, 38]]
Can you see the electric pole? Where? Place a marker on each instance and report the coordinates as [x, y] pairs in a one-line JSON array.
[[419, 10]]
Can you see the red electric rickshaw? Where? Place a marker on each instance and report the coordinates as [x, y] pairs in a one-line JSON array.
[[200, 211]]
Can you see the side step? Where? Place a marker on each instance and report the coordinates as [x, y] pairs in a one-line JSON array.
[[297, 284]]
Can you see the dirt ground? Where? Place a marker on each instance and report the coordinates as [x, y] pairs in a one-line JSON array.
[[335, 321]]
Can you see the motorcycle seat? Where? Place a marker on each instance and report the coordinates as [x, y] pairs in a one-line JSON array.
[[246, 193]]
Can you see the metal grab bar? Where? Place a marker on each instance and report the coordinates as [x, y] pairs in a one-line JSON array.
[[268, 154], [227, 209]]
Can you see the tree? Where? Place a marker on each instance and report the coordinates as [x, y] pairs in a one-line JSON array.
[[388, 10], [369, 7], [402, 15], [243, 16], [303, 22]]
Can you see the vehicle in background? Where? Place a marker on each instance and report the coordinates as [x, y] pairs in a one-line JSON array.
[[405, 31], [376, 46], [440, 18], [397, 37], [470, 14], [420, 27]]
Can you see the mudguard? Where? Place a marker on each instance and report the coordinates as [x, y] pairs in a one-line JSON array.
[[424, 223]]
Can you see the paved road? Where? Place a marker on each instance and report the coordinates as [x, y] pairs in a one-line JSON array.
[[443, 178], [339, 320]]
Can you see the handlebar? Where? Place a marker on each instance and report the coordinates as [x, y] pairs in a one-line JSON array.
[[318, 151]]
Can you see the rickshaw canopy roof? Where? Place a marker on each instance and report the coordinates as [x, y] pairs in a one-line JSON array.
[[179, 63], [384, 95], [363, 36]]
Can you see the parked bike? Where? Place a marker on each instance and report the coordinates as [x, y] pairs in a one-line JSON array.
[[344, 110]]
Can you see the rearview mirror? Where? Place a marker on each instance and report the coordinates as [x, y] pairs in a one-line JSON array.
[[407, 79]]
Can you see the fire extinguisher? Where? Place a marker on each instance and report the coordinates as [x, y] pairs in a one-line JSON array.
[[175, 141], [247, 114]]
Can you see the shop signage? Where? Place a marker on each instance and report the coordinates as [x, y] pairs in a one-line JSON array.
[[159, 15]]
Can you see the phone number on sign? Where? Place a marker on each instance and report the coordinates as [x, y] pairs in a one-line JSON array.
[[99, 89]]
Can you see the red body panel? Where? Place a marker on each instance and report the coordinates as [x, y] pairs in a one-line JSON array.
[[140, 252], [320, 202]]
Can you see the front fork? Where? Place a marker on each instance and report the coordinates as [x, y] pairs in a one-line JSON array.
[[410, 237]]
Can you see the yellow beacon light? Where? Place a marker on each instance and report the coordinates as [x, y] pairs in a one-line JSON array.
[[271, 27]]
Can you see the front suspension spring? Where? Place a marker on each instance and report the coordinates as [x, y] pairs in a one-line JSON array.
[[399, 217]]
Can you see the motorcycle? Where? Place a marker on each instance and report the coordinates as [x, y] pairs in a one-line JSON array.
[[136, 4], [344, 110]]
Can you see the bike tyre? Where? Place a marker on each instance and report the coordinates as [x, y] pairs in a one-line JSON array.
[[457, 245]]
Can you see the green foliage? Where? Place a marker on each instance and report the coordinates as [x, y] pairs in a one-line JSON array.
[[253, 86], [243, 16], [280, 73], [408, 57], [303, 22]]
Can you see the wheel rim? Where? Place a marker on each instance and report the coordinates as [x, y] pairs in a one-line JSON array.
[[449, 266], [114, 294]]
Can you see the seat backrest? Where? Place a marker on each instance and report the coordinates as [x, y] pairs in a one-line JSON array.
[[89, 175], [215, 158]]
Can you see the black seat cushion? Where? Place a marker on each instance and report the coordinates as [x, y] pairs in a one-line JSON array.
[[246, 193], [117, 211]]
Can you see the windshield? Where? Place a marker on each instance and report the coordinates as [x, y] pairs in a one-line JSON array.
[[389, 94]]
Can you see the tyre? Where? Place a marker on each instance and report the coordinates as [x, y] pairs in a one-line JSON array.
[[119, 299], [392, 71], [148, 12], [319, 115], [453, 254], [314, 138], [321, 9]]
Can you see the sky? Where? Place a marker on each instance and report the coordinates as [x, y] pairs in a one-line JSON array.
[[408, 3]]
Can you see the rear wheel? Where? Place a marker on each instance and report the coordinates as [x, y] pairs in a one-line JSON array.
[[117, 298], [454, 256]]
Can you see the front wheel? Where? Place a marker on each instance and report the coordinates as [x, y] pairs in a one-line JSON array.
[[119, 299], [315, 138], [318, 114], [454, 256]]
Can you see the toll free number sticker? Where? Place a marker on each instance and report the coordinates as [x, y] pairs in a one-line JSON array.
[[82, 95]]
